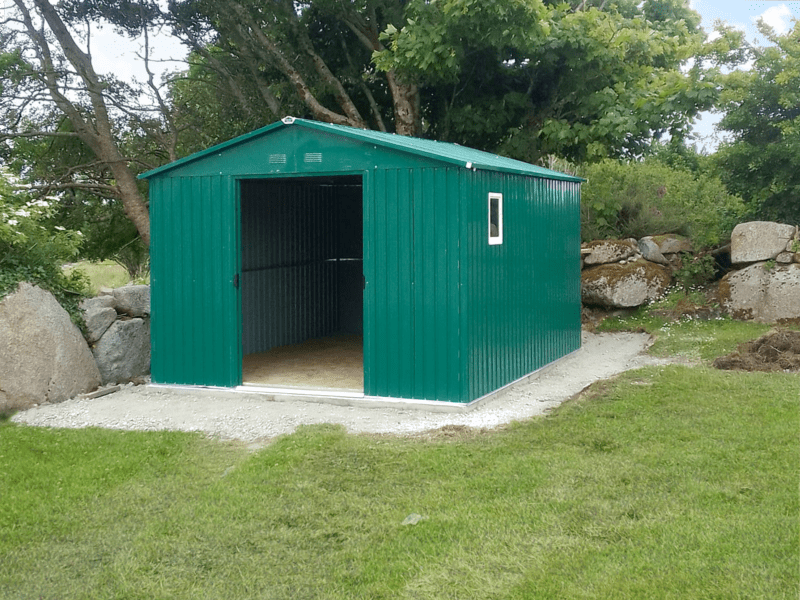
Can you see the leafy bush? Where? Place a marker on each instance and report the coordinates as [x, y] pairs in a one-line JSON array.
[[695, 270], [634, 199], [31, 252]]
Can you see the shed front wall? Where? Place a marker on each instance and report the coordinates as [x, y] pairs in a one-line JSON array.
[[195, 307], [412, 340], [195, 256], [412, 241]]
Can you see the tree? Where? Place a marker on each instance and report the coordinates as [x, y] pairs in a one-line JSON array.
[[34, 253], [311, 55], [527, 78], [76, 186], [532, 78], [762, 113], [52, 93]]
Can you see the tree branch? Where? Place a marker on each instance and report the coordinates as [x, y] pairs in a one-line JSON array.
[[46, 188], [172, 142], [36, 134], [294, 76]]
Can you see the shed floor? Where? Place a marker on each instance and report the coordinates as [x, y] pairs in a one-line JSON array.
[[331, 362]]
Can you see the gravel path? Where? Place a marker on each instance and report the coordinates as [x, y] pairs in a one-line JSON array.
[[256, 419]]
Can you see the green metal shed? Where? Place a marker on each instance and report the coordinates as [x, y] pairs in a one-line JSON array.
[[459, 268]]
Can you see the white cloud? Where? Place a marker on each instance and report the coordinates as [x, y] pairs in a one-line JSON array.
[[778, 17]]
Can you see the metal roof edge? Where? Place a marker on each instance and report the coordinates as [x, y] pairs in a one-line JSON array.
[[384, 139], [544, 173]]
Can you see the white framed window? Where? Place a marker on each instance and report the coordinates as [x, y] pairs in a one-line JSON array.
[[495, 211]]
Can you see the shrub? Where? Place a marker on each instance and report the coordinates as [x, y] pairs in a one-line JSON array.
[[31, 252], [634, 199], [695, 271]]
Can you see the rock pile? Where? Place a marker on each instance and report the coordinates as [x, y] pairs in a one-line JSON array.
[[766, 285], [629, 273], [44, 357], [118, 330]]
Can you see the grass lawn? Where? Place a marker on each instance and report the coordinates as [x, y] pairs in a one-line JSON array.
[[103, 274], [666, 482]]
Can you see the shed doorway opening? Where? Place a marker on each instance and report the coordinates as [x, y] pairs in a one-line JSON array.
[[302, 282]]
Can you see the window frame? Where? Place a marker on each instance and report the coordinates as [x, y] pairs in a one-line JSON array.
[[495, 240]]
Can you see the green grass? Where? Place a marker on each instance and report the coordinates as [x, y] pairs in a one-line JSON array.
[[102, 274], [703, 341], [688, 337], [667, 482]]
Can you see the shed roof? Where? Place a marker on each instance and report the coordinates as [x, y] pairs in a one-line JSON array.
[[449, 153]]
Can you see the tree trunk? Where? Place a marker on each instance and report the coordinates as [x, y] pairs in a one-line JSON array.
[[405, 96], [405, 100], [132, 200], [95, 129]]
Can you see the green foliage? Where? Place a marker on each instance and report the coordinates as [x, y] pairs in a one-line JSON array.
[[634, 199], [762, 113], [532, 78], [63, 126], [79, 197], [268, 60], [31, 252], [204, 111], [106, 231], [682, 155], [695, 270]]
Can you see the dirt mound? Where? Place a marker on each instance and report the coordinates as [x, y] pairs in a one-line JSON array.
[[775, 351]]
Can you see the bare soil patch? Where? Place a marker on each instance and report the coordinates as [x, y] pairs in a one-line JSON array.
[[776, 351]]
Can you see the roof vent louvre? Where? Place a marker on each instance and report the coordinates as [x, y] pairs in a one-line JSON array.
[[313, 157], [277, 159]]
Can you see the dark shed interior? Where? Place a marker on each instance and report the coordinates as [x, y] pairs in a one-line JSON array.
[[302, 261]]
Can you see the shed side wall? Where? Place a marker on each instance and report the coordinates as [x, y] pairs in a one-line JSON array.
[[523, 295], [194, 304], [412, 298]]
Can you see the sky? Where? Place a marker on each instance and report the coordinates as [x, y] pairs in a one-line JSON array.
[[743, 15], [112, 55]]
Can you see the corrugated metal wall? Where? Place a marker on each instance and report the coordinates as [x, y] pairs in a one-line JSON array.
[[523, 295], [194, 257], [446, 316], [301, 260], [411, 253]]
